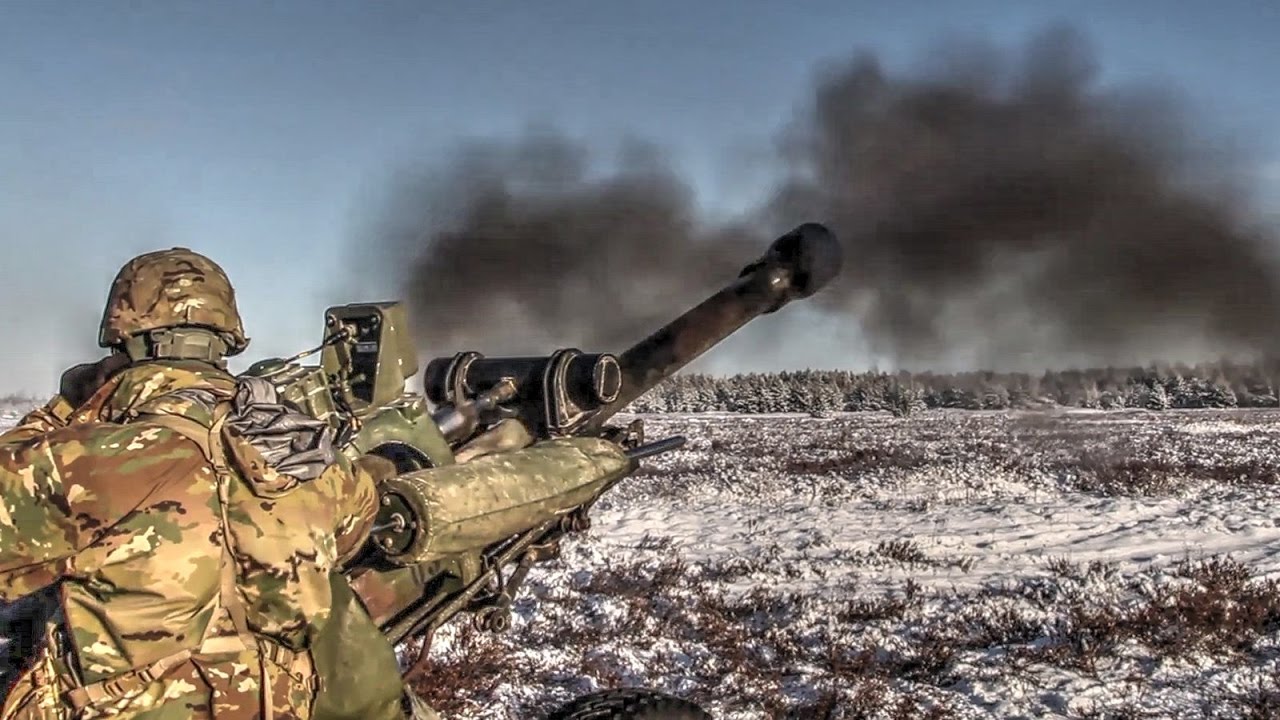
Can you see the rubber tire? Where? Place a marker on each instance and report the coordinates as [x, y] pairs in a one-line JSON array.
[[629, 704]]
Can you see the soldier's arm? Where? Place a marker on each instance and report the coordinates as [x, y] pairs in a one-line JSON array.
[[44, 419], [355, 485], [77, 385], [35, 529], [64, 490]]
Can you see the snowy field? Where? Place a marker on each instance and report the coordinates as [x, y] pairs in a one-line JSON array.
[[952, 564], [10, 411]]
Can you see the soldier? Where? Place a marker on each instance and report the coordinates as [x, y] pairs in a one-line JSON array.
[[189, 526]]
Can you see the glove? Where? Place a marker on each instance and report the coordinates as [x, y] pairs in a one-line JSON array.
[[80, 382], [377, 466]]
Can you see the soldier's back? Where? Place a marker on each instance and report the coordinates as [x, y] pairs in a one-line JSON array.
[[125, 517], [193, 566]]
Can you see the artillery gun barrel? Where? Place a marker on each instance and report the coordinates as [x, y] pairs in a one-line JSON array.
[[573, 393], [441, 559], [795, 266]]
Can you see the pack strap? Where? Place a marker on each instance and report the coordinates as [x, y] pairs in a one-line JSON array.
[[135, 681], [211, 444], [230, 586], [124, 684], [194, 431]]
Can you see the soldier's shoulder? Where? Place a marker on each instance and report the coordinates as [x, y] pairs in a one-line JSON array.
[[150, 377], [122, 460], [104, 440], [190, 390]]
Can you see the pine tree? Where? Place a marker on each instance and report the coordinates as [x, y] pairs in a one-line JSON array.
[[704, 393], [1219, 394], [1157, 398], [799, 394], [753, 398], [905, 399], [826, 398], [726, 393], [1179, 392]]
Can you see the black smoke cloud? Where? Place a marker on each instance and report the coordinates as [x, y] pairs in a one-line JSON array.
[[523, 246], [1011, 205], [1004, 208]]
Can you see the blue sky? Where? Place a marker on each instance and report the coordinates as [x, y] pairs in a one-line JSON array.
[[263, 133]]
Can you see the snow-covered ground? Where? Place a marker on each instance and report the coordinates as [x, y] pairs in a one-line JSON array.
[[952, 564], [9, 413]]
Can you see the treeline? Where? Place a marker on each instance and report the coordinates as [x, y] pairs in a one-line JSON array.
[[21, 400], [1156, 387], [1215, 385]]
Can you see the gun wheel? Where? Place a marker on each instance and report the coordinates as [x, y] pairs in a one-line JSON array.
[[629, 704]]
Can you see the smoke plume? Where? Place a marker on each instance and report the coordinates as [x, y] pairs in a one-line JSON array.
[[524, 247], [1010, 206], [1003, 207]]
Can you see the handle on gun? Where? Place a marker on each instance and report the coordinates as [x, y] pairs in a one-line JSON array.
[[657, 447], [459, 422]]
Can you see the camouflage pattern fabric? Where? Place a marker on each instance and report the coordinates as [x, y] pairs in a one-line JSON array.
[[25, 618], [132, 520], [46, 418], [168, 289], [295, 510]]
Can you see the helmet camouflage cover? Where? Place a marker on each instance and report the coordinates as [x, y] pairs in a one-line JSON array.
[[171, 289]]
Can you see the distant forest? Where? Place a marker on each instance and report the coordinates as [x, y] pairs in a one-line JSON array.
[[1158, 387]]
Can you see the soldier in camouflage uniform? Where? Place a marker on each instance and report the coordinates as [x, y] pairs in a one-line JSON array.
[[191, 527], [189, 524]]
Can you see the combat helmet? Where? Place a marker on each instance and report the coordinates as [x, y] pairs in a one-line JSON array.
[[175, 304]]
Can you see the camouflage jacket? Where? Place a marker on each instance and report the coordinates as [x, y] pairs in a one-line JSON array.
[[191, 524]]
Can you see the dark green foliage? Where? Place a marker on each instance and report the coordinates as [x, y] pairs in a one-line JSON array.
[[1156, 387]]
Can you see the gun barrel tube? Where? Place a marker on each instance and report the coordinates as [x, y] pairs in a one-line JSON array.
[[795, 266]]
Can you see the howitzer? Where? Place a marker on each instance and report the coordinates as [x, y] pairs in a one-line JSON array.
[[425, 563]]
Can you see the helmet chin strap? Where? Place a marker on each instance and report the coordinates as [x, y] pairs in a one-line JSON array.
[[177, 344]]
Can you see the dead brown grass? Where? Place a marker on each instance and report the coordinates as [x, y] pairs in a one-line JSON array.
[[1218, 611]]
